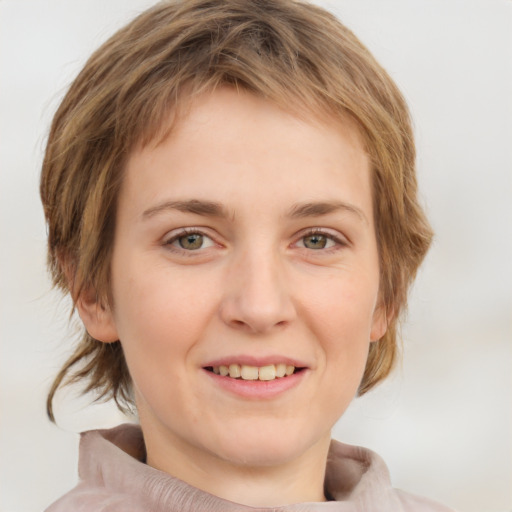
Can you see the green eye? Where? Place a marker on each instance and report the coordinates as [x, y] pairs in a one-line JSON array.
[[315, 241], [191, 242]]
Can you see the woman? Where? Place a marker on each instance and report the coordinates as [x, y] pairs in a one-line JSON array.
[[231, 201]]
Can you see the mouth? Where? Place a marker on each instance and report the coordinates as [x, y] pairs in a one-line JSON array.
[[253, 373]]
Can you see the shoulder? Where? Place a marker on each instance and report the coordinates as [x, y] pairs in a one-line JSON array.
[[360, 476], [413, 503], [109, 471], [90, 499]]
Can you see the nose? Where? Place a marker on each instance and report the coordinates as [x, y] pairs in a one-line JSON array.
[[257, 297]]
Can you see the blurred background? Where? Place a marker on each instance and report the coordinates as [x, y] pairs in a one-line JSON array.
[[443, 422]]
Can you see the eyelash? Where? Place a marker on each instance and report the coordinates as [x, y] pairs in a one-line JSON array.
[[339, 241], [183, 233]]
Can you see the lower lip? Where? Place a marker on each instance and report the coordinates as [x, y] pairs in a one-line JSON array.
[[257, 389]]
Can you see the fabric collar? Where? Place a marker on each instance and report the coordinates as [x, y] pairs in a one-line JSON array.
[[356, 478]]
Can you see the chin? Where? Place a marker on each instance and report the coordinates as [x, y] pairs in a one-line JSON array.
[[259, 456], [262, 448]]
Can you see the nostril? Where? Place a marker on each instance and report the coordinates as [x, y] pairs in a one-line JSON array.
[[239, 324]]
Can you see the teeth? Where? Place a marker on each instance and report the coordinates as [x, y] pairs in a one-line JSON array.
[[280, 370], [249, 372], [234, 371], [267, 372], [246, 372]]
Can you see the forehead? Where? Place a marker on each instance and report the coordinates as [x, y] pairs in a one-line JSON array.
[[249, 143], [211, 104]]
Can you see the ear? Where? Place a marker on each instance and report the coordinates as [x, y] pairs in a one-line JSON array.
[[98, 319], [380, 321]]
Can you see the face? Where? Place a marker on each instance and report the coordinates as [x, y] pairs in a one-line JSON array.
[[244, 245]]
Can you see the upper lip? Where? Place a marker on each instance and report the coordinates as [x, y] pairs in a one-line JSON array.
[[258, 361]]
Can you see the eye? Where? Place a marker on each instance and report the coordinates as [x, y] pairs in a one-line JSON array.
[[190, 241], [318, 240]]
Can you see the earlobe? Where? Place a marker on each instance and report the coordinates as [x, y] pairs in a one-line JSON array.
[[380, 321], [98, 319]]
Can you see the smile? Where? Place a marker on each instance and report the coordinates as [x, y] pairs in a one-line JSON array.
[[247, 372]]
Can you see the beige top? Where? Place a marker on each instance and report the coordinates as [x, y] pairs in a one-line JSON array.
[[113, 478]]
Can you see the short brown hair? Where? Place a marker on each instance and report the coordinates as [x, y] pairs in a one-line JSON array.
[[289, 52]]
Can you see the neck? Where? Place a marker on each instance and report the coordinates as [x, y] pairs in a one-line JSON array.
[[293, 481]]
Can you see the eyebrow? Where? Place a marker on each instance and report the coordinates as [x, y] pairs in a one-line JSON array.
[[317, 209], [196, 206], [215, 209]]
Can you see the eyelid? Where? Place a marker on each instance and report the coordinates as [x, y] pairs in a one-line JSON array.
[[170, 237], [175, 234], [335, 236]]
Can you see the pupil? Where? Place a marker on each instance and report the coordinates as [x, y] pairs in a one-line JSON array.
[[315, 241], [191, 242]]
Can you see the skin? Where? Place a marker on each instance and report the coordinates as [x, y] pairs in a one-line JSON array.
[[257, 287]]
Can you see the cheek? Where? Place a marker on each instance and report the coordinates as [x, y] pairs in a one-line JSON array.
[[341, 319], [343, 308], [138, 313], [159, 313], [160, 319]]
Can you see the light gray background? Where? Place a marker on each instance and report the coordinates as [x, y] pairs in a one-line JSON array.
[[443, 422]]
